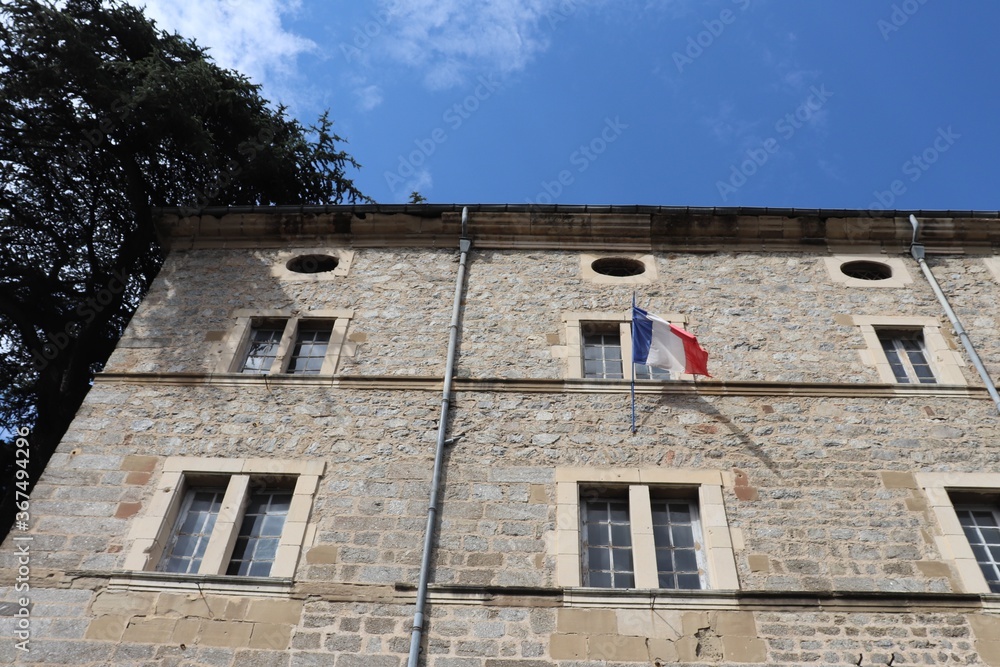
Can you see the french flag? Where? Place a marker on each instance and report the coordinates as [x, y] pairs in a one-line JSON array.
[[656, 342]]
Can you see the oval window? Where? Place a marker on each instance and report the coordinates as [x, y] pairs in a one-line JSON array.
[[863, 270], [618, 267], [312, 263]]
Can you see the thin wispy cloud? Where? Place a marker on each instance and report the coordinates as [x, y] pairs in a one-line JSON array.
[[448, 39], [245, 35]]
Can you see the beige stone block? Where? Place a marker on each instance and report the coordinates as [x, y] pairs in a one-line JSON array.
[[137, 463], [538, 495], [568, 570], [687, 649], [985, 627], [126, 510], [275, 611], [586, 621], [123, 603], [271, 636], [137, 478], [567, 493], [617, 648], [693, 621], [293, 532], [743, 649], [916, 504], [898, 480], [663, 651], [568, 647], [236, 608], [989, 652], [107, 628], [225, 633], [735, 623], [661, 623], [186, 631], [759, 563], [322, 555], [191, 605], [149, 630], [933, 568]]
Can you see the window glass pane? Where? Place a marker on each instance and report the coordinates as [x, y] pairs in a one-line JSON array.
[[262, 347], [309, 350], [606, 523], [192, 530], [674, 538], [257, 541]]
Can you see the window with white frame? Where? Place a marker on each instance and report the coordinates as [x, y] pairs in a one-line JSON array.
[[908, 349], [981, 523], [966, 507], [643, 529], [271, 342], [607, 527], [244, 517], [599, 346], [906, 353]]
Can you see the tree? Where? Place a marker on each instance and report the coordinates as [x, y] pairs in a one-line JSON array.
[[417, 198], [103, 118]]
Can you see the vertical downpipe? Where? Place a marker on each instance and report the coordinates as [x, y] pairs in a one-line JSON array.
[[917, 252], [464, 245]]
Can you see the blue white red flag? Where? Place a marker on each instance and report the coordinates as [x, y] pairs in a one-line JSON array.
[[656, 342]]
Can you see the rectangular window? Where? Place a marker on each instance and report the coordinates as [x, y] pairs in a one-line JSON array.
[[309, 352], [189, 537], [602, 352], [907, 356], [607, 537], [676, 531], [981, 524], [262, 347], [612, 529], [260, 532]]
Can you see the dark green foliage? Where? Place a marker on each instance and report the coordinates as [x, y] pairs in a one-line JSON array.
[[103, 118]]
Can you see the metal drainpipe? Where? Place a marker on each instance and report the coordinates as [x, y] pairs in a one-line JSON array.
[[425, 564], [917, 251]]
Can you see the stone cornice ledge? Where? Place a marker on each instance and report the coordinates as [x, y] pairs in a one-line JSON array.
[[572, 386]]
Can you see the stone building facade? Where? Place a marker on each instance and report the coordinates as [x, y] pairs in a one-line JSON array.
[[248, 480]]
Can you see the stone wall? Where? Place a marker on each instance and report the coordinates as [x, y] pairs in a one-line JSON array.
[[834, 542]]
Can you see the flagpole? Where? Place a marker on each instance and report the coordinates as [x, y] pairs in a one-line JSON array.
[[632, 360]]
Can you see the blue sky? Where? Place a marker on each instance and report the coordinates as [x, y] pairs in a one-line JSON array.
[[861, 104]]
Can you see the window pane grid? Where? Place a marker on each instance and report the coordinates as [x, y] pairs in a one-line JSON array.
[[602, 356], [645, 372], [982, 527], [262, 348], [675, 525], [309, 351], [260, 532], [907, 356], [607, 544], [190, 536]]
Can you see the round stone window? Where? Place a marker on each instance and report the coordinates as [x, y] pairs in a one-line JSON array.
[[618, 267], [312, 263], [863, 270]]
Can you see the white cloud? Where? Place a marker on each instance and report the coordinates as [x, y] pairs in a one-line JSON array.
[[369, 97], [245, 35], [449, 38], [421, 182]]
